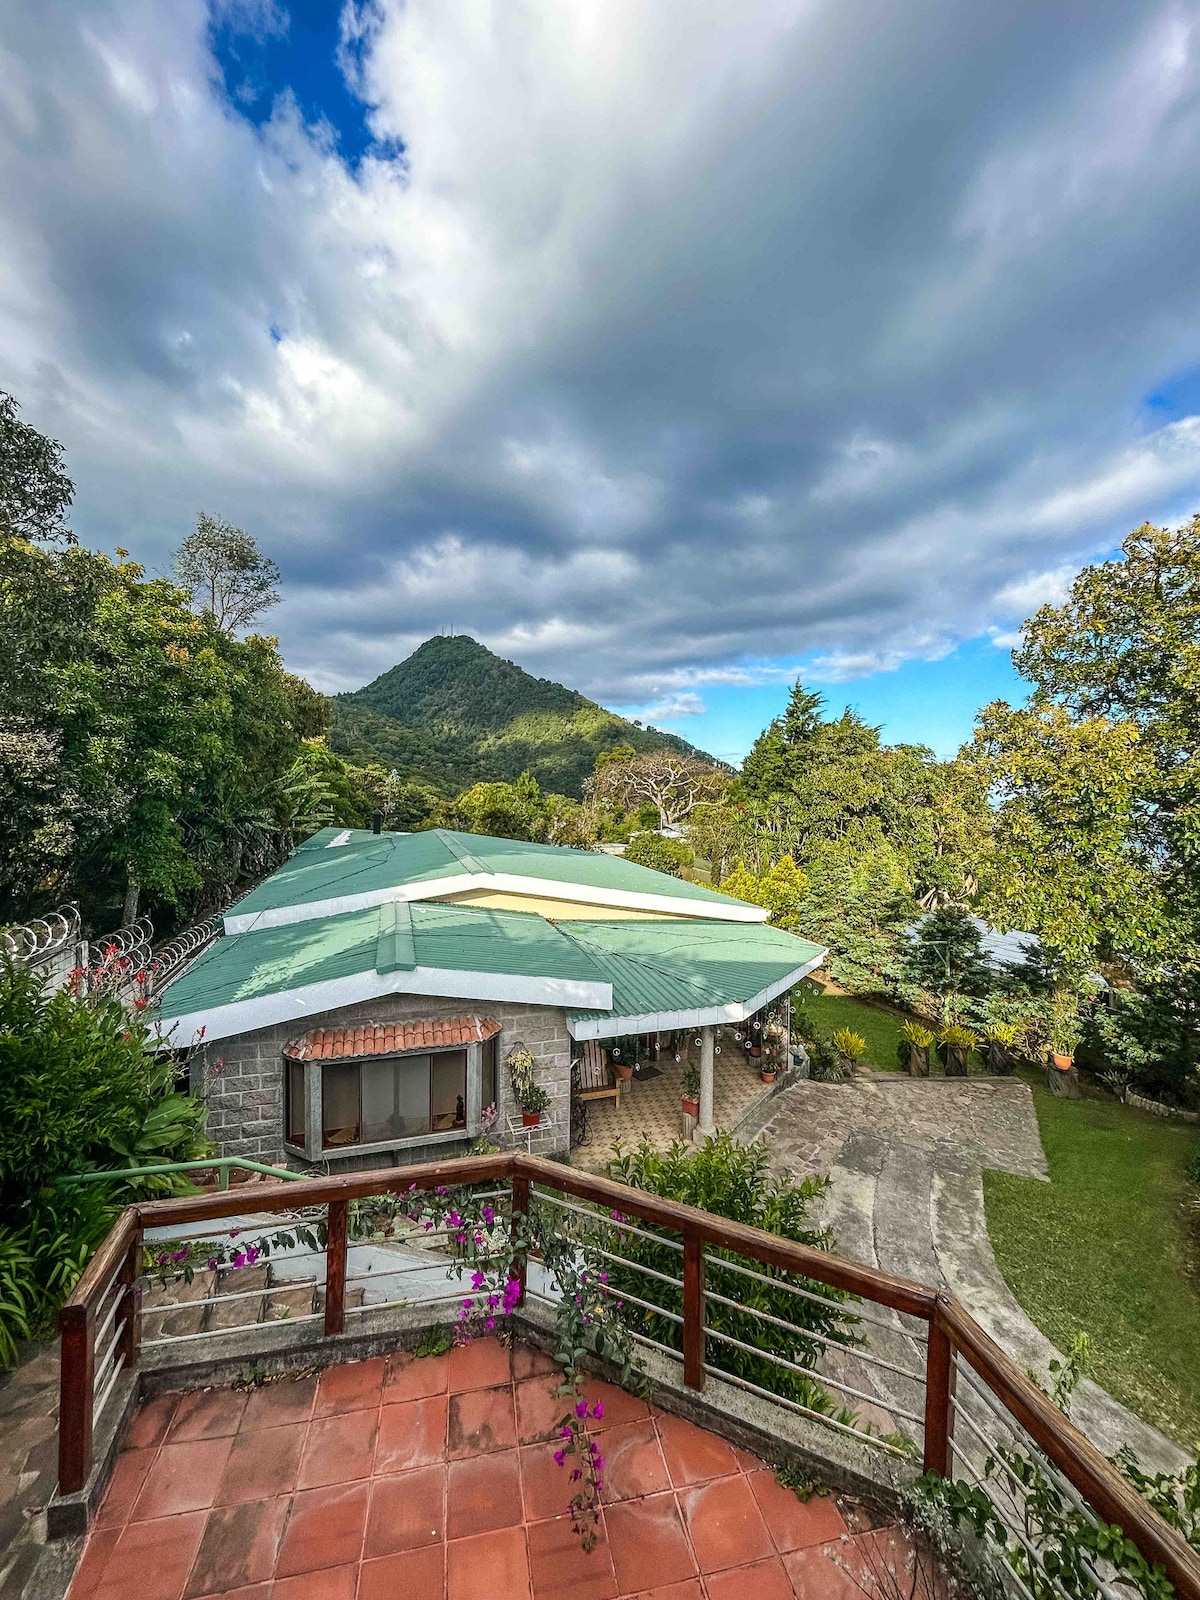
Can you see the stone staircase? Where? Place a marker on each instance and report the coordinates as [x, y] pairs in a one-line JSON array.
[[178, 1309]]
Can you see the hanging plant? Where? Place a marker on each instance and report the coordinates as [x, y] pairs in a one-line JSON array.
[[520, 1072]]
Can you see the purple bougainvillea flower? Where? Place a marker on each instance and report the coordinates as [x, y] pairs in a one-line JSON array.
[[581, 1408], [565, 1430], [598, 1410], [477, 1280], [559, 1457]]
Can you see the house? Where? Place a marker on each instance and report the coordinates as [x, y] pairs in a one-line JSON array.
[[363, 1001]]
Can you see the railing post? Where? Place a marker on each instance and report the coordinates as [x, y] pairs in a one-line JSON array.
[[76, 1380], [520, 1209], [939, 1394], [335, 1267], [131, 1322], [693, 1311]]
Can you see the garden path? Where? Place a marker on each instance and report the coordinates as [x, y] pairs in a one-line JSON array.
[[905, 1158]]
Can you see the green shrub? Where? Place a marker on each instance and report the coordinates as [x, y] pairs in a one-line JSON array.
[[663, 855], [849, 1044], [18, 1295], [732, 1180], [1191, 1167]]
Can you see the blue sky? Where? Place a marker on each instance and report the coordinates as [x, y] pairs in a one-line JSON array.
[[671, 349]]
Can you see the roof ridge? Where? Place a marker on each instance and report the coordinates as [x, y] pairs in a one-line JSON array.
[[464, 857]]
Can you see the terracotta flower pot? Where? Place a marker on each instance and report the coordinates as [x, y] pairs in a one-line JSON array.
[[767, 1074], [755, 1051], [530, 1119], [1063, 1063], [623, 1070], [692, 1107]]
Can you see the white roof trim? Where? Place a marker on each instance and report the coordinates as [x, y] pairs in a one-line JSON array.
[[342, 838], [702, 1017], [310, 999], [497, 882]]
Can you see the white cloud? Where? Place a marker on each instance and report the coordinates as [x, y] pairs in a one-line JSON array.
[[678, 347]]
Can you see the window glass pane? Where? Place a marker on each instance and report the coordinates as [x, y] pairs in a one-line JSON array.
[[339, 1099], [395, 1098], [295, 1102], [449, 1092], [489, 1073]]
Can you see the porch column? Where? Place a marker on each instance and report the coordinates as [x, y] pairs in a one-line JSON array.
[[704, 1124]]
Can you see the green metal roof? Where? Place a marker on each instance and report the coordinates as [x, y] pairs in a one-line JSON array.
[[661, 967], [366, 863], [453, 938]]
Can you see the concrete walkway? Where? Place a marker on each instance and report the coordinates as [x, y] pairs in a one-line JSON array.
[[905, 1158]]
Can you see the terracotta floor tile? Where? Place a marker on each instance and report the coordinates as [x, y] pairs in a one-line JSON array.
[[747, 1461], [482, 1364], [633, 1461], [410, 1377], [250, 1591], [338, 1449], [358, 1386], [411, 1434], [545, 1488], [100, 1545], [559, 1567], [483, 1492], [692, 1454], [239, 1547], [491, 1566], [276, 1404], [208, 1414], [480, 1420], [646, 1537], [410, 1575], [724, 1524], [406, 1511], [262, 1464], [149, 1423], [325, 1529], [151, 1560], [129, 1474], [815, 1576], [331, 1583], [765, 1580], [184, 1477], [619, 1405], [540, 1407], [689, 1589], [795, 1524], [530, 1362]]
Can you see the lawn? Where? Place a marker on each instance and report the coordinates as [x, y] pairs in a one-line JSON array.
[[881, 1029], [1110, 1248]]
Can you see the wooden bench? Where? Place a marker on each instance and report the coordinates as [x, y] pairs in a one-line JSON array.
[[595, 1078]]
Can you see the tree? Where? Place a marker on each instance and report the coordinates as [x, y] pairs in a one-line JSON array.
[[226, 572], [715, 832], [35, 492], [662, 855], [674, 784], [504, 810], [947, 958]]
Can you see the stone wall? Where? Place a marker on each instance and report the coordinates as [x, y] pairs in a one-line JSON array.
[[242, 1079]]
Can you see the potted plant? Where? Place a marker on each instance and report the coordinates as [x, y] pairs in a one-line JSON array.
[[690, 1098], [954, 1046], [916, 1041], [1065, 1031], [533, 1102], [850, 1046], [998, 1052], [624, 1055], [520, 1071]]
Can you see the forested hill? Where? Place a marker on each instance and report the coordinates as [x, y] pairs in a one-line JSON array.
[[454, 714]]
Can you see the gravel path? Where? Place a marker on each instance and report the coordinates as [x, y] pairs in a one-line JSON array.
[[905, 1158]]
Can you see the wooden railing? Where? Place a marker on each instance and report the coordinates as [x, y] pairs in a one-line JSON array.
[[100, 1322]]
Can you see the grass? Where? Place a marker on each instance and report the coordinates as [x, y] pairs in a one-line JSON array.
[[881, 1029], [1109, 1247]]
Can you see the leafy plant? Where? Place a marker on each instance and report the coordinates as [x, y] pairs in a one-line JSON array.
[[433, 1342], [955, 1037], [849, 1044], [917, 1034], [1066, 1028], [663, 855], [732, 1180], [691, 1082], [534, 1098], [520, 1072], [1001, 1033], [18, 1294], [801, 1480]]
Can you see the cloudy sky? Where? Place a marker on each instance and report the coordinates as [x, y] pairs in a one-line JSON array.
[[667, 346]]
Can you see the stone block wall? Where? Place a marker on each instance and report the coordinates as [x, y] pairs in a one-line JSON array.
[[241, 1079]]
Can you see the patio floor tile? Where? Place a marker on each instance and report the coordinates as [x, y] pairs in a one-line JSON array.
[[619, 1405], [332, 1583], [411, 1434], [239, 1547], [130, 1471], [211, 1414], [483, 1492], [262, 1464], [692, 1454], [539, 1408], [409, 1377], [420, 1574], [488, 1566], [724, 1524], [338, 1449], [482, 1364], [689, 1589], [646, 1537], [544, 1486], [481, 1420], [633, 1461], [794, 1523], [358, 1386], [325, 1529], [406, 1512], [150, 1422], [151, 1559], [767, 1580], [276, 1404], [559, 1568], [184, 1477]]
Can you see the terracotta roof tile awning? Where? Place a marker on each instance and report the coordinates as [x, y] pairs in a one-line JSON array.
[[385, 1039]]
